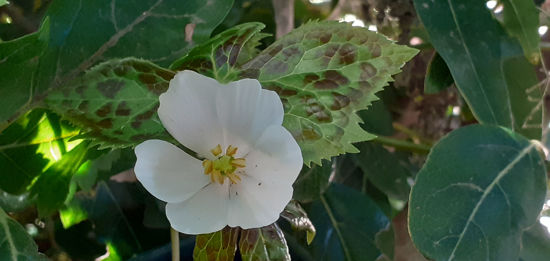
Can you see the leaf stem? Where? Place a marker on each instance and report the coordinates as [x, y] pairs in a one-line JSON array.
[[174, 237], [403, 145]]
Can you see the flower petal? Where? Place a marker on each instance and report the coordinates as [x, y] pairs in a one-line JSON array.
[[245, 110], [205, 212], [276, 157], [167, 172], [188, 111], [253, 203]]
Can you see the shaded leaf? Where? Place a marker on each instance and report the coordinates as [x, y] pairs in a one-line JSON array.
[[220, 245], [325, 72], [476, 207], [385, 241], [438, 76], [476, 48], [347, 222], [14, 203], [521, 20], [115, 102], [377, 119], [312, 182], [535, 243], [220, 57], [265, 243], [15, 243], [297, 216]]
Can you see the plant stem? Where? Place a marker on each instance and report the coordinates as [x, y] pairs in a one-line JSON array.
[[174, 237], [403, 145]]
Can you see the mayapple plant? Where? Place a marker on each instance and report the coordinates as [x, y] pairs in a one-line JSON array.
[[120, 127]]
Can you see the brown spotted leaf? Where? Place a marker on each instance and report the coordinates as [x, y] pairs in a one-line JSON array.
[[324, 73], [220, 57], [266, 243], [217, 246], [115, 102], [299, 220]]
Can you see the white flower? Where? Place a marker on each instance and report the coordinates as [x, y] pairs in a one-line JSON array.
[[250, 163]]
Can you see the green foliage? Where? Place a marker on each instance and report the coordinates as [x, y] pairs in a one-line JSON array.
[[325, 72], [296, 215], [480, 63], [347, 222], [3, 2], [535, 243], [438, 76], [521, 21], [481, 187], [220, 245], [312, 182], [265, 243], [16, 244]]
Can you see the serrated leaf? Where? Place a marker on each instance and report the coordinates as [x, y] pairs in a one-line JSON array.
[[52, 187], [18, 64], [521, 20], [438, 76], [312, 182], [84, 33], [115, 102], [220, 56], [15, 243], [217, 246], [265, 243], [297, 216], [480, 188], [29, 146], [324, 73], [347, 222], [482, 58]]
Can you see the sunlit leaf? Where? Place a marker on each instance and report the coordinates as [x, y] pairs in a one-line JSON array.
[[480, 188]]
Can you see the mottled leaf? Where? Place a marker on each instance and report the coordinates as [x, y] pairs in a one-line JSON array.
[[115, 102], [15, 243], [480, 54], [480, 188], [324, 73], [29, 146], [438, 76], [265, 243], [18, 64], [297, 216], [521, 20], [312, 181], [220, 56], [52, 187], [347, 222], [217, 246]]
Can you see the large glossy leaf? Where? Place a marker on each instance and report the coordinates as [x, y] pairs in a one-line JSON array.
[[115, 102], [324, 73], [265, 243], [83, 33], [15, 243], [479, 189], [347, 222], [480, 56], [18, 64], [217, 246], [521, 20]]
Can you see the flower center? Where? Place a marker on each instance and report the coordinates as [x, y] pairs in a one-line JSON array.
[[223, 166]]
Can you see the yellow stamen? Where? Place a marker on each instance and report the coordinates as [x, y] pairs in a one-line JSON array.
[[217, 150], [224, 166]]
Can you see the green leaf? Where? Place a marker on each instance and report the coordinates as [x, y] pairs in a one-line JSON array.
[[220, 245], [479, 189], [438, 76], [296, 215], [84, 33], [52, 187], [220, 56], [383, 169], [535, 243], [29, 146], [324, 73], [312, 182], [477, 51], [18, 64], [14, 203], [521, 20], [265, 243], [115, 102], [15, 243], [3, 2], [347, 222], [377, 119]]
